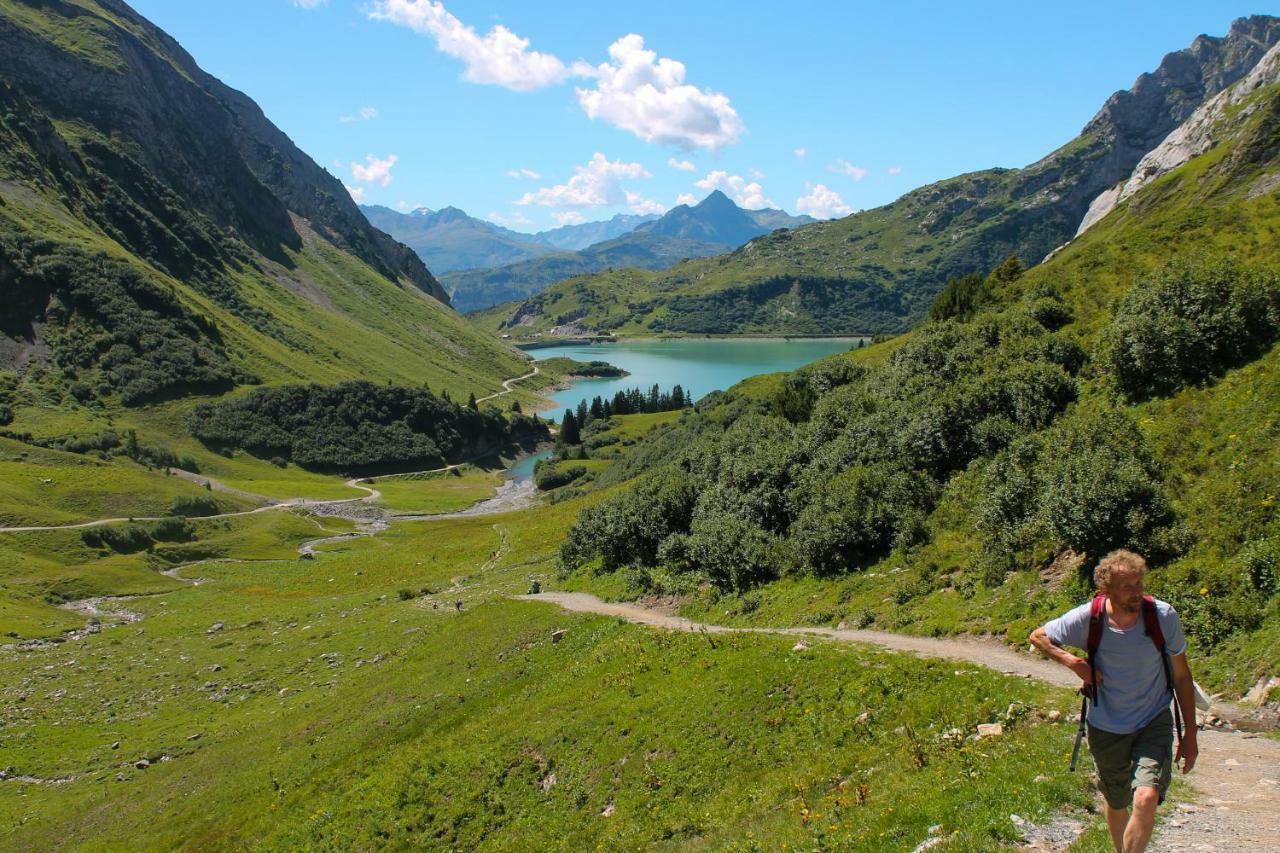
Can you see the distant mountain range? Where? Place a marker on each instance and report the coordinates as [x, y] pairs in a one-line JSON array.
[[449, 239], [879, 270], [713, 226]]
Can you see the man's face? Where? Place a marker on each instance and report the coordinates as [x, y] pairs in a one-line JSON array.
[[1125, 590]]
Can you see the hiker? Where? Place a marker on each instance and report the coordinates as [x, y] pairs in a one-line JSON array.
[[536, 588], [1136, 659]]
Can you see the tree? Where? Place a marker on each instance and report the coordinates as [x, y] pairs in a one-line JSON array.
[[471, 402], [569, 430], [515, 407]]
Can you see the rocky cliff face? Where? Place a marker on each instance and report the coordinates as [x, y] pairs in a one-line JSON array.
[[142, 125], [1193, 137]]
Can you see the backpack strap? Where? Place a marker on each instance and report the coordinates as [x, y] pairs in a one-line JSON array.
[[1151, 622], [1097, 616]]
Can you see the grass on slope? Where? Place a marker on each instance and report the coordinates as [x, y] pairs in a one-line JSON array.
[[444, 491], [40, 569], [328, 712]]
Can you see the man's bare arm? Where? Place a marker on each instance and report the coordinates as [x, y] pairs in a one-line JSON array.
[[1185, 691], [1050, 649]]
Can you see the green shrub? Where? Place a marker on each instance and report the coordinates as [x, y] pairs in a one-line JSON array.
[[124, 540], [173, 529], [194, 506], [1090, 483], [857, 516], [549, 476], [1188, 322]]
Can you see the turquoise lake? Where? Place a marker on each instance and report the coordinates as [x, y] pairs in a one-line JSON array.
[[700, 366]]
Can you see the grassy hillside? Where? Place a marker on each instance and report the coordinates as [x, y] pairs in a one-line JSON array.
[[964, 477], [164, 246]]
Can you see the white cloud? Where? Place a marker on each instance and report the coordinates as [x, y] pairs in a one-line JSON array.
[[597, 184], [687, 198], [646, 95], [894, 170], [800, 153], [309, 4], [640, 204], [822, 203], [746, 194], [376, 172], [757, 174], [357, 193], [403, 205], [681, 165], [362, 114], [568, 217], [523, 173], [844, 167], [499, 58]]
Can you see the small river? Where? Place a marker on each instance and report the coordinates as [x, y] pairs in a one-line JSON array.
[[700, 366]]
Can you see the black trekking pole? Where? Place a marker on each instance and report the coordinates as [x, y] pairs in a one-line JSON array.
[[1084, 715]]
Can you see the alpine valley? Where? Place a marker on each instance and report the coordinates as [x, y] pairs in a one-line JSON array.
[[287, 561]]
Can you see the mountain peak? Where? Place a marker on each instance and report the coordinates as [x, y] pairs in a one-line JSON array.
[[716, 198]]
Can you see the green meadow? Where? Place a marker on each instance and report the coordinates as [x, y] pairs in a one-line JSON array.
[[346, 702]]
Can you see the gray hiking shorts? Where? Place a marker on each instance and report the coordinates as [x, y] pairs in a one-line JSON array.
[[1141, 758]]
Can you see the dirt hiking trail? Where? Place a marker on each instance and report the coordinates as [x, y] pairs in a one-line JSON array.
[[1236, 782]]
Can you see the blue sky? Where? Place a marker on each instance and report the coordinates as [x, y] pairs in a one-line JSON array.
[[534, 115]]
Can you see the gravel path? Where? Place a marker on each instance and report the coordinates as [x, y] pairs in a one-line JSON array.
[[1236, 780]]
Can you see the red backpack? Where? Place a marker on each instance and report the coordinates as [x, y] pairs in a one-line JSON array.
[[1151, 623]]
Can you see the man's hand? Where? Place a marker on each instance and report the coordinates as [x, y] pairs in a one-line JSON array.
[[1040, 640], [1187, 751], [1087, 674]]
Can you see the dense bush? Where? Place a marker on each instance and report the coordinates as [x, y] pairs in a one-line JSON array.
[[355, 426], [105, 315], [1090, 484], [8, 383], [103, 441], [840, 465], [548, 476], [173, 529], [1189, 322], [195, 506], [857, 515], [124, 540]]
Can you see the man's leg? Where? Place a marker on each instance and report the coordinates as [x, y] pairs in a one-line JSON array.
[[1117, 823], [1112, 754], [1152, 769], [1138, 831]]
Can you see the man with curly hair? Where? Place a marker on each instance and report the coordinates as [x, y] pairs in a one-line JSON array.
[[1130, 678]]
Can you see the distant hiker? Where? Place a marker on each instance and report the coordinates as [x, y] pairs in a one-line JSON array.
[[536, 588], [458, 604], [1136, 659]]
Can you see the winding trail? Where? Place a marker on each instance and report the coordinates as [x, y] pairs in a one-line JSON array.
[[507, 383], [1236, 780]]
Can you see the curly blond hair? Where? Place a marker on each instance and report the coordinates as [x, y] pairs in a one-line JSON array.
[[1122, 559]]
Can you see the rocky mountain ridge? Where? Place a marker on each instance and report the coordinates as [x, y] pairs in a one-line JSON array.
[[1193, 137]]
